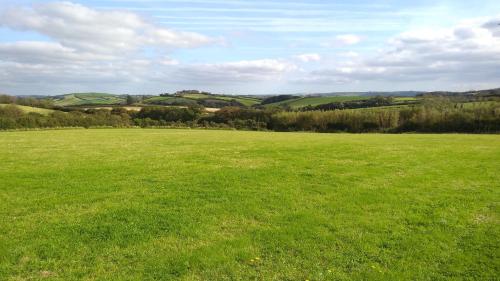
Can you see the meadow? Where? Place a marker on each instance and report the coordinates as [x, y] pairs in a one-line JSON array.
[[88, 99], [316, 100], [157, 204], [28, 109]]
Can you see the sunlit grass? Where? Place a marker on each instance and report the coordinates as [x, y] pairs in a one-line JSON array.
[[29, 109], [149, 204]]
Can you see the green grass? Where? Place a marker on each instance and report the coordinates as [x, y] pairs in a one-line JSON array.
[[405, 99], [479, 104], [384, 108], [153, 99], [243, 100], [247, 101], [196, 96], [28, 109], [193, 97], [88, 99], [313, 101], [132, 204]]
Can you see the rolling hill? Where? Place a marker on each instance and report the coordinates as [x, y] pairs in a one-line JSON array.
[[29, 109], [76, 99], [315, 100], [202, 98], [209, 100]]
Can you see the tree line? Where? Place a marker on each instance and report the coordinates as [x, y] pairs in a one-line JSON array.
[[353, 104], [27, 101], [432, 115]]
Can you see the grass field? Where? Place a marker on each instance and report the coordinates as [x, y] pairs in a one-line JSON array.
[[247, 101], [28, 109], [405, 99], [169, 101], [88, 99], [158, 98], [313, 101], [132, 204]]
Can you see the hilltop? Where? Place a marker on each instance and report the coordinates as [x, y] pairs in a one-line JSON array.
[[75, 99]]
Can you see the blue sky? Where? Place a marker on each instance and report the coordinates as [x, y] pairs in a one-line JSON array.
[[247, 47]]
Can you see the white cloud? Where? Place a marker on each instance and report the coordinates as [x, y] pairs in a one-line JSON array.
[[493, 25], [169, 61], [350, 54], [348, 39], [469, 52], [36, 52], [238, 71], [341, 40], [308, 57], [85, 29], [88, 49]]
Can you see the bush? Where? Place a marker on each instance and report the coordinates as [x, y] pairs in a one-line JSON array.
[[169, 114]]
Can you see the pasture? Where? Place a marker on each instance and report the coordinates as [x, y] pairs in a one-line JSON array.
[[88, 99], [28, 109], [153, 204], [316, 100], [246, 101]]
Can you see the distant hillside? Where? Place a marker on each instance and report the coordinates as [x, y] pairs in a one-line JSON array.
[[28, 109], [88, 99], [202, 98], [372, 93], [210, 100], [314, 101], [479, 93]]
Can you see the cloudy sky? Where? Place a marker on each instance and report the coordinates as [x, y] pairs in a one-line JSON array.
[[248, 46]]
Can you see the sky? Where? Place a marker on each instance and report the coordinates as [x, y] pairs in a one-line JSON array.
[[248, 46]]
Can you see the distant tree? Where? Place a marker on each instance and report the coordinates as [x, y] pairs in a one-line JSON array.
[[130, 100], [279, 98], [7, 99]]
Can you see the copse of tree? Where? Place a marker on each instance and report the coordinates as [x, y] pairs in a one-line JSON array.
[[448, 117], [169, 114], [440, 116], [11, 110], [216, 103], [174, 101], [242, 117], [119, 111], [191, 92], [372, 102], [27, 101], [11, 117], [278, 98], [436, 114], [336, 121], [232, 113], [490, 94], [7, 99], [131, 100]]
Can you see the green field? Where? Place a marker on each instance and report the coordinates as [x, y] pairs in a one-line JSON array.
[[243, 100], [247, 101], [191, 98], [405, 99], [28, 109], [169, 100], [151, 204], [158, 98], [88, 99], [196, 96], [313, 101]]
